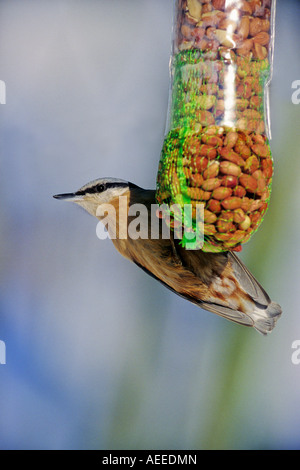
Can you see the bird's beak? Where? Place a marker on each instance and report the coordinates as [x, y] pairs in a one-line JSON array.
[[73, 197]]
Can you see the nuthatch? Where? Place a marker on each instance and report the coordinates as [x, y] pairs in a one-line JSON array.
[[217, 282]]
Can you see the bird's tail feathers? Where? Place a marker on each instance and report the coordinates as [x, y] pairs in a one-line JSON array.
[[265, 313], [265, 319]]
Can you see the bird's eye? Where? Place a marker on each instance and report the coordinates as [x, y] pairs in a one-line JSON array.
[[100, 188]]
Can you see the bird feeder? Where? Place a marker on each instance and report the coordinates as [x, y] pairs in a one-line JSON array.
[[216, 151]]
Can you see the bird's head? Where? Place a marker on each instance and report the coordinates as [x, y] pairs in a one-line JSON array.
[[97, 192]]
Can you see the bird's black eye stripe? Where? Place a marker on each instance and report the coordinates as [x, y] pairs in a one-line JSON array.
[[101, 187]]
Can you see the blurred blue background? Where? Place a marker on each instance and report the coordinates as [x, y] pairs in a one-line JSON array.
[[99, 355]]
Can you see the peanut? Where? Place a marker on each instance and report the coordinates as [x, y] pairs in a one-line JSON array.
[[213, 130], [229, 181], [211, 184], [223, 237], [267, 168], [255, 26], [207, 7], [226, 38], [255, 218], [220, 108], [206, 101], [198, 194], [196, 180], [225, 223], [231, 156], [242, 104], [211, 171], [239, 216], [231, 139], [207, 151], [205, 118], [212, 18], [209, 229], [265, 195], [252, 164], [246, 204], [251, 114], [255, 205], [246, 7], [228, 23], [263, 208], [239, 191], [209, 217], [260, 51], [221, 193], [245, 47], [199, 164], [255, 102], [246, 223], [214, 206], [249, 183], [195, 9], [238, 236], [244, 27], [242, 150], [228, 168], [187, 31], [258, 139], [262, 38], [261, 182], [212, 140], [262, 151], [232, 203], [218, 4]]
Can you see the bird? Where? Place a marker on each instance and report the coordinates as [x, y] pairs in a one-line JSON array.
[[216, 282]]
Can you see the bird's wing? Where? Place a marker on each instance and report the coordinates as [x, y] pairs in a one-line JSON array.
[[207, 266], [248, 281], [234, 292], [221, 310], [221, 284]]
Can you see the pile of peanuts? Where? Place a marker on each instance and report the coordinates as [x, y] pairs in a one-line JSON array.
[[202, 96], [228, 171], [220, 52], [217, 152], [214, 26]]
